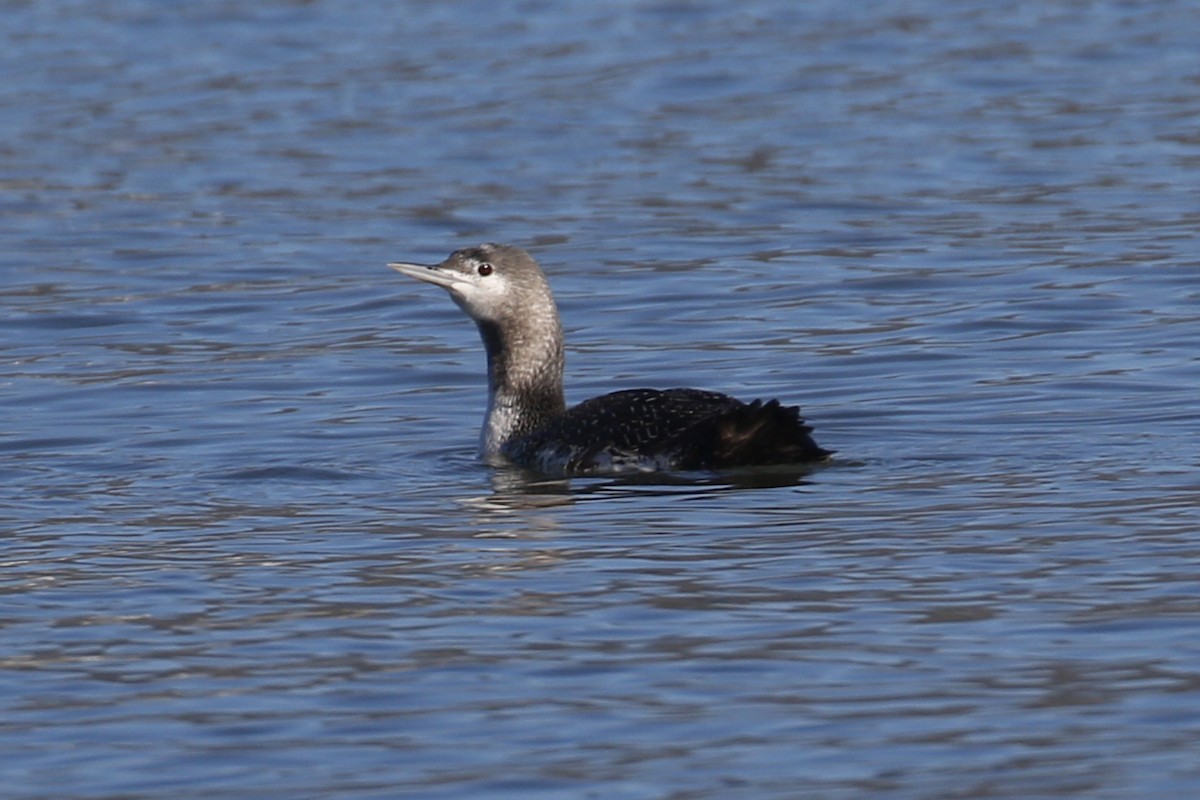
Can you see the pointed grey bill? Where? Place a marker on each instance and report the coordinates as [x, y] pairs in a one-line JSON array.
[[428, 273]]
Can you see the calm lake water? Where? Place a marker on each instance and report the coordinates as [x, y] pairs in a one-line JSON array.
[[248, 552]]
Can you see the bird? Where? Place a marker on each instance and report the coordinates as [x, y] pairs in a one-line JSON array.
[[528, 424]]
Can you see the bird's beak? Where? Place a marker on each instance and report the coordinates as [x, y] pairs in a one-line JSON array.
[[428, 273]]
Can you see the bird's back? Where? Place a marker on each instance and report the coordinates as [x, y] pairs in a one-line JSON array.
[[673, 429]]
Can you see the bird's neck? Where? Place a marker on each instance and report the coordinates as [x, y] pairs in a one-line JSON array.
[[525, 381]]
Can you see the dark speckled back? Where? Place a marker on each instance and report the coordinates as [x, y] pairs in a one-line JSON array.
[[673, 429]]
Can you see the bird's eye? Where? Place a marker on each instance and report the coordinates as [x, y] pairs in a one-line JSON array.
[[485, 269]]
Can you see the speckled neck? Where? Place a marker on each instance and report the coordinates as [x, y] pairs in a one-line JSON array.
[[525, 377]]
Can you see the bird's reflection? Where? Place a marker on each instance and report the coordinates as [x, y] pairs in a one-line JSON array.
[[515, 489]]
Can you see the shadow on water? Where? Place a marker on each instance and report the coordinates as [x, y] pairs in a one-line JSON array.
[[515, 488]]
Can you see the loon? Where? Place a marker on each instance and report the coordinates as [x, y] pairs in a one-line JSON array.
[[528, 423]]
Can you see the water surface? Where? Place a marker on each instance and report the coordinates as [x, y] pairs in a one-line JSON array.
[[247, 550]]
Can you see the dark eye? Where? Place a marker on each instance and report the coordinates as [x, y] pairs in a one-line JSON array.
[[485, 269]]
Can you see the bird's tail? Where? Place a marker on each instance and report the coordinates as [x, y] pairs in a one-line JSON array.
[[763, 433]]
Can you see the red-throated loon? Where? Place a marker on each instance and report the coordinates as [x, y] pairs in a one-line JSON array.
[[528, 423]]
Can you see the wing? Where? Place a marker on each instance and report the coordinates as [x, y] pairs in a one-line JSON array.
[[673, 429], [635, 425]]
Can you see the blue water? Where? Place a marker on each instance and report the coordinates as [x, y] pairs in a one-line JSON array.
[[247, 550]]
